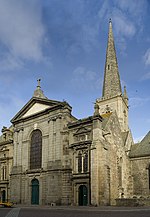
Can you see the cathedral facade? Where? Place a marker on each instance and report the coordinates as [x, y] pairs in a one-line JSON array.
[[49, 157]]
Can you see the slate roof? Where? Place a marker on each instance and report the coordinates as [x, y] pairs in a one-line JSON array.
[[142, 148]]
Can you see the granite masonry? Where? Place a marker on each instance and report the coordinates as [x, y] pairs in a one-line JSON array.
[[49, 157]]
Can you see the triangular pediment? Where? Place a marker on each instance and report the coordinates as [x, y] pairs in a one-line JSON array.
[[82, 130], [35, 106]]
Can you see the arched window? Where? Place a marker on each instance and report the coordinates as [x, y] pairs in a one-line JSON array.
[[36, 150]]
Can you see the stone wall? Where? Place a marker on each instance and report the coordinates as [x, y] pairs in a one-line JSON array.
[[131, 202], [140, 176]]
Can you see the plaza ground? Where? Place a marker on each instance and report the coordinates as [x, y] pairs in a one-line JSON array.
[[70, 211]]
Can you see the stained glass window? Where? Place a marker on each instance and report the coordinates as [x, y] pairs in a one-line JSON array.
[[36, 150]]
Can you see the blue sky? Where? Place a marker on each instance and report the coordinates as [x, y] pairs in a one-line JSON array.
[[63, 42]]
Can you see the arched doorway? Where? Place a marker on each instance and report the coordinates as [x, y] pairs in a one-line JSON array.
[[83, 195], [35, 191], [3, 196]]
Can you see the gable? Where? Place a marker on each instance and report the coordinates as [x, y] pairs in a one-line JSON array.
[[81, 130], [37, 107]]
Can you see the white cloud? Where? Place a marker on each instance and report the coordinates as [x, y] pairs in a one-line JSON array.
[[122, 25], [127, 17], [147, 57], [10, 62], [21, 32], [6, 114], [104, 11], [90, 36], [85, 40], [134, 7], [85, 79], [81, 73]]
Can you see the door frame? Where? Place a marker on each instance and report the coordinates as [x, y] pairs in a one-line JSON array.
[[3, 195]]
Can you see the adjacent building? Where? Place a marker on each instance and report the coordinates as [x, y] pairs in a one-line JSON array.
[[6, 162]]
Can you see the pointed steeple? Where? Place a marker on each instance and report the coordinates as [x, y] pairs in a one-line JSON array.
[[38, 92], [111, 85]]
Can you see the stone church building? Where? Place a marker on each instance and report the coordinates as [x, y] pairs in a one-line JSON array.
[[49, 157]]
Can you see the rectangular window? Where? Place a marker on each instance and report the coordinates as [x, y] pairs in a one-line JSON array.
[[3, 173], [82, 162], [79, 162], [85, 163]]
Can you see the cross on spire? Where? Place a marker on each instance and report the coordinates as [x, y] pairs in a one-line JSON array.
[[38, 93], [39, 83]]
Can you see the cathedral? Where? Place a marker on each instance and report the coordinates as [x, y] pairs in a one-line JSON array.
[[49, 157]]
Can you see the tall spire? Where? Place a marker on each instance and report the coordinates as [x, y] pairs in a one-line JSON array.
[[38, 92], [111, 85]]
